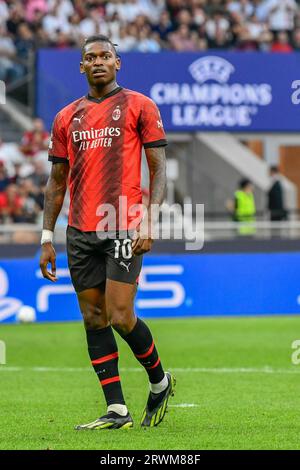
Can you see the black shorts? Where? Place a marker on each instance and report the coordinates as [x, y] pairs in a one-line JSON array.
[[92, 260]]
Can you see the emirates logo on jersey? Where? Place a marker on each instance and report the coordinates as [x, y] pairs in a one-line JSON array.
[[116, 114], [94, 138]]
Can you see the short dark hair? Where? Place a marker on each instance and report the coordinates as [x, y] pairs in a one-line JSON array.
[[98, 38], [244, 183]]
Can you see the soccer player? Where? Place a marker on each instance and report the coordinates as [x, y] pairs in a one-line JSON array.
[[95, 146]]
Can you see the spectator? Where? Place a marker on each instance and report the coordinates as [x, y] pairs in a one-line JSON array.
[[164, 26], [30, 208], [64, 10], [276, 196], [184, 17], [141, 22], [36, 22], [281, 14], [33, 6], [41, 38], [217, 26], [244, 40], [148, 41], [4, 179], [36, 140], [129, 10], [54, 23], [24, 42], [128, 38], [153, 9], [240, 10], [255, 28], [243, 207], [4, 12], [181, 39], [39, 176], [62, 40], [10, 70], [265, 41], [201, 44], [221, 40], [174, 7], [296, 40], [10, 154], [214, 6], [93, 24], [16, 17], [17, 177], [39, 198], [80, 8], [11, 204], [113, 25], [199, 17], [281, 44]]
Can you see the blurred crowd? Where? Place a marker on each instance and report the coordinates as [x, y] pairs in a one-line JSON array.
[[145, 26], [23, 177]]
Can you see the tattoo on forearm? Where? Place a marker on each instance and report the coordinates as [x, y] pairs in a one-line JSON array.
[[156, 159], [54, 194]]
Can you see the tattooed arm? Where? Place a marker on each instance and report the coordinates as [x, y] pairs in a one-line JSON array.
[[54, 198], [156, 159]]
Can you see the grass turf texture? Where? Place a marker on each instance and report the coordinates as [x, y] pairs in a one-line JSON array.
[[236, 409]]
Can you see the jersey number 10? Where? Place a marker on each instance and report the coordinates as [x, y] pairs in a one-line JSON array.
[[123, 248]]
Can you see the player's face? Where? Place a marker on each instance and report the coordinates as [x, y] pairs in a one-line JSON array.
[[99, 63]]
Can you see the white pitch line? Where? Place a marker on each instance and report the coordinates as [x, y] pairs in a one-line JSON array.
[[193, 370], [184, 405]]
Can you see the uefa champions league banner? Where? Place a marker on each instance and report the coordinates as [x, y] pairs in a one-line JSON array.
[[229, 91], [170, 286]]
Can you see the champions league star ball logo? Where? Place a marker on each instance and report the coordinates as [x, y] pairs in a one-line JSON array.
[[116, 114], [211, 68]]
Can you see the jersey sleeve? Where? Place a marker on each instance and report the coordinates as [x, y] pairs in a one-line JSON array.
[[58, 151], [151, 128]]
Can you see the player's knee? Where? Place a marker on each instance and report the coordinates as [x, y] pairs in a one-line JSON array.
[[120, 320], [93, 318]]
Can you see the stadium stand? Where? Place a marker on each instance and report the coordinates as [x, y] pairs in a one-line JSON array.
[[145, 26]]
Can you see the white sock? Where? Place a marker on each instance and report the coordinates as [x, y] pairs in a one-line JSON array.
[[161, 386], [119, 409]]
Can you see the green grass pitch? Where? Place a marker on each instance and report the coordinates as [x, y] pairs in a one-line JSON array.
[[236, 387]]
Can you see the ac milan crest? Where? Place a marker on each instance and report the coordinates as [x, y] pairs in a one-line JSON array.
[[116, 114]]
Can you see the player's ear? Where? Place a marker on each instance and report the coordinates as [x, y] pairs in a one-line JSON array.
[[118, 63], [81, 68]]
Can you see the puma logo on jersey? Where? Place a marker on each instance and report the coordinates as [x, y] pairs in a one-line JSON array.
[[125, 265], [78, 119]]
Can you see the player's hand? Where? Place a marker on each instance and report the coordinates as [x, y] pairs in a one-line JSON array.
[[141, 245], [48, 255]]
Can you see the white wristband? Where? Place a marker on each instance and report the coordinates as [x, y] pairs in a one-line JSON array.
[[47, 236]]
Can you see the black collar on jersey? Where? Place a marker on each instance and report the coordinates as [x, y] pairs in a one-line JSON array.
[[99, 100]]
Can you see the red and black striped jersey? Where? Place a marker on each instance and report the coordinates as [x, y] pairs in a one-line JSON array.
[[101, 140]]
